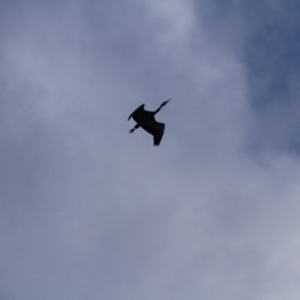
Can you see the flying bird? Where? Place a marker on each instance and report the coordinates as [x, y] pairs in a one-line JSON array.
[[146, 120]]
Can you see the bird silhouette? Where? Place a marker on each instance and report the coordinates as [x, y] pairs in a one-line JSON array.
[[146, 120]]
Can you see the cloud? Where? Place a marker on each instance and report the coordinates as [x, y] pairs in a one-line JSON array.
[[88, 210]]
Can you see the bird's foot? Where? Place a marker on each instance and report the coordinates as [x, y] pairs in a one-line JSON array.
[[131, 131]]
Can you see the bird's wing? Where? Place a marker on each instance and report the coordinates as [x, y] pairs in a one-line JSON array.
[[157, 138], [139, 114], [156, 129]]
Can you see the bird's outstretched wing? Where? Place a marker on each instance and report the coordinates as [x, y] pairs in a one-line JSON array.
[[156, 129], [138, 114]]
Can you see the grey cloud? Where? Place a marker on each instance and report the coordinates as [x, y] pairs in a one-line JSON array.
[[88, 211]]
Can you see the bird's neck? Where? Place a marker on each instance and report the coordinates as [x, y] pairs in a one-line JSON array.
[[157, 110]]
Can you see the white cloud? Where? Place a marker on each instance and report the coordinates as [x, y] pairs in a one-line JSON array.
[[90, 211]]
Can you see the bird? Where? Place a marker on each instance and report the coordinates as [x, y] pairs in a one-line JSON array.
[[146, 120]]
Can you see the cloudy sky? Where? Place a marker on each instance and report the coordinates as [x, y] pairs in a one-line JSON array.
[[88, 211]]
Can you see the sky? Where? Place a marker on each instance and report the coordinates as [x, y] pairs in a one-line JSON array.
[[89, 211]]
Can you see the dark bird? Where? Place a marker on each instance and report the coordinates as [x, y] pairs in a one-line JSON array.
[[146, 120]]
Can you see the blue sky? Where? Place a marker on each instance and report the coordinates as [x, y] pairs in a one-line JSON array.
[[88, 211]]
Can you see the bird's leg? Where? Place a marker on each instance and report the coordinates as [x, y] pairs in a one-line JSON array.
[[134, 128]]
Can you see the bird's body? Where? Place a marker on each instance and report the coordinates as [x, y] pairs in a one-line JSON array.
[[146, 120]]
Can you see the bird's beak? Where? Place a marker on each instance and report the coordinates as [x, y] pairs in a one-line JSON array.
[[164, 103]]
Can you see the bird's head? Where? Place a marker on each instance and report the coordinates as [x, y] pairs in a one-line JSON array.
[[164, 103]]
